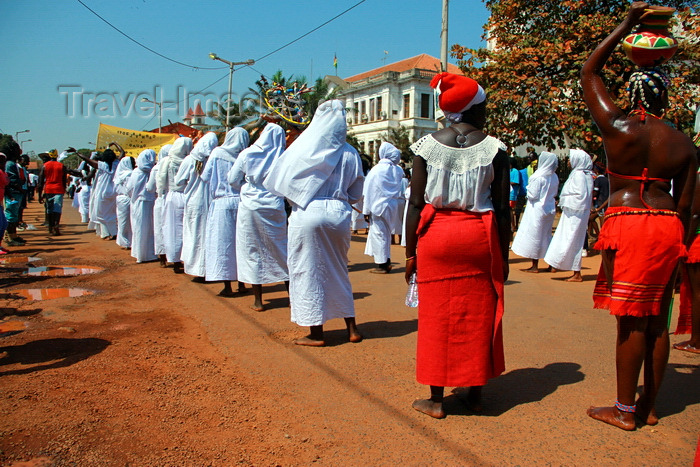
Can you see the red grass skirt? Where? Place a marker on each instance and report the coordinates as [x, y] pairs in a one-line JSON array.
[[648, 244], [460, 306], [684, 325]]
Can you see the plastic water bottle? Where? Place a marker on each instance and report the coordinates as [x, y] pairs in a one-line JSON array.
[[412, 294]]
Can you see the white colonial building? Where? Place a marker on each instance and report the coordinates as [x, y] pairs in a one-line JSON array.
[[386, 97]]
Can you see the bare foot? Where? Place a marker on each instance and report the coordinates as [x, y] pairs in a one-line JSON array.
[[687, 346], [256, 307], [471, 398], [228, 293], [614, 417], [550, 269], [428, 407], [378, 271], [533, 270], [575, 278], [354, 337], [307, 341], [644, 414]]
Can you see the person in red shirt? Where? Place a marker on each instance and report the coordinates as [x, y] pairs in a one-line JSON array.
[[52, 186]]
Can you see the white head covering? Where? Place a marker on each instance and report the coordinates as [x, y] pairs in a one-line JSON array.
[[124, 169], [303, 168], [63, 156], [163, 153], [547, 164], [577, 192], [383, 182], [269, 146], [237, 139], [180, 148], [205, 146], [146, 160]]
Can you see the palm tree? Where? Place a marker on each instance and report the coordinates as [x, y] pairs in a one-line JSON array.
[[399, 137], [236, 117]]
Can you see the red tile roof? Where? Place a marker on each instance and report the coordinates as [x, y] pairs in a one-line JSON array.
[[422, 61], [198, 112]]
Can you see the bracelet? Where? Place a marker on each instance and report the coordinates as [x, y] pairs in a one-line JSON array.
[[625, 408], [411, 257]]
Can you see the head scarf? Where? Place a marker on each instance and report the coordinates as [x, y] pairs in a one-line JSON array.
[[146, 160], [180, 148], [383, 182], [577, 192], [163, 153], [302, 169], [547, 164], [204, 147], [237, 139], [261, 155], [123, 172]]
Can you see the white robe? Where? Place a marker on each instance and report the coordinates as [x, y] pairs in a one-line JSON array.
[[566, 249], [382, 190], [84, 203], [157, 212], [358, 221], [142, 201], [105, 201], [194, 217], [535, 230], [121, 177], [261, 226], [220, 240], [174, 205], [322, 176]]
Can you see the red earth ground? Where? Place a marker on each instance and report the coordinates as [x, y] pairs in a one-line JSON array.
[[155, 370]]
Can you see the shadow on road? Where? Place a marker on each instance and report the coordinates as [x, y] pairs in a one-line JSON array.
[[518, 387], [48, 354], [679, 389]]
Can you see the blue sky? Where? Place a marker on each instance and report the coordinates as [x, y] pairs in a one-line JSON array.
[[58, 55]]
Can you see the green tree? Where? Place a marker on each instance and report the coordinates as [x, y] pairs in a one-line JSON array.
[[532, 73], [399, 137], [236, 117]]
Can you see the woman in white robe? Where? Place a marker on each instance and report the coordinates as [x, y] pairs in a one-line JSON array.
[[575, 199], [174, 206], [401, 210], [197, 200], [121, 177], [105, 201], [84, 194], [158, 221], [261, 227], [321, 175], [381, 194], [142, 202], [220, 241], [535, 231]]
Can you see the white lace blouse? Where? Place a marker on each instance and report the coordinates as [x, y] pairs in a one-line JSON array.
[[458, 178]]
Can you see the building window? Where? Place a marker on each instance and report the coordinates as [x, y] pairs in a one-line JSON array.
[[371, 149], [425, 105], [372, 113], [379, 107], [363, 111], [356, 113], [406, 106]]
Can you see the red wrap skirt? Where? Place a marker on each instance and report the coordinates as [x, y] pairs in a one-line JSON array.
[[460, 298], [685, 307], [648, 244]]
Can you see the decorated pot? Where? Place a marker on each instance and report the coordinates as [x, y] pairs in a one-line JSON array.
[[651, 44]]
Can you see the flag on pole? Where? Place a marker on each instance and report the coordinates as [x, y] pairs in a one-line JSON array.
[[335, 63]]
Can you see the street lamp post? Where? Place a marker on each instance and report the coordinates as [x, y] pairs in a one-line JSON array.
[[213, 56], [160, 111], [22, 142], [18, 133]]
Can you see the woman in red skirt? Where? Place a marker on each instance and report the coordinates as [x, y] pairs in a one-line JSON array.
[[457, 236]]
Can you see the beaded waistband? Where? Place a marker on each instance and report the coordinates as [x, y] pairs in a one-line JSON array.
[[642, 212]]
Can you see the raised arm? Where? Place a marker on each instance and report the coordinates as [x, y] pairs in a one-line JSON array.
[[88, 161], [601, 105], [119, 148]]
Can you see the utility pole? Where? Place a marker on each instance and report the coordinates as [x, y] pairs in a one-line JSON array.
[[443, 35]]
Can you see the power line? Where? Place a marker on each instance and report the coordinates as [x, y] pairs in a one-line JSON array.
[[313, 30], [145, 46]]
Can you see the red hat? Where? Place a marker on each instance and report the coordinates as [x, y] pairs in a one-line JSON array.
[[457, 93]]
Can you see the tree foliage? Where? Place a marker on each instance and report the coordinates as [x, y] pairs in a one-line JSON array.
[[400, 138], [532, 73]]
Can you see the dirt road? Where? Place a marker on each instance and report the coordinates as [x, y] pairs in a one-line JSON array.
[[155, 370]]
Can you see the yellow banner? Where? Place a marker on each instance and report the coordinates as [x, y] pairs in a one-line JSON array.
[[132, 141]]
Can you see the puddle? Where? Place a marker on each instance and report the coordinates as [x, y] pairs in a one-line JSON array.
[[19, 259], [9, 328], [61, 270], [49, 294]]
